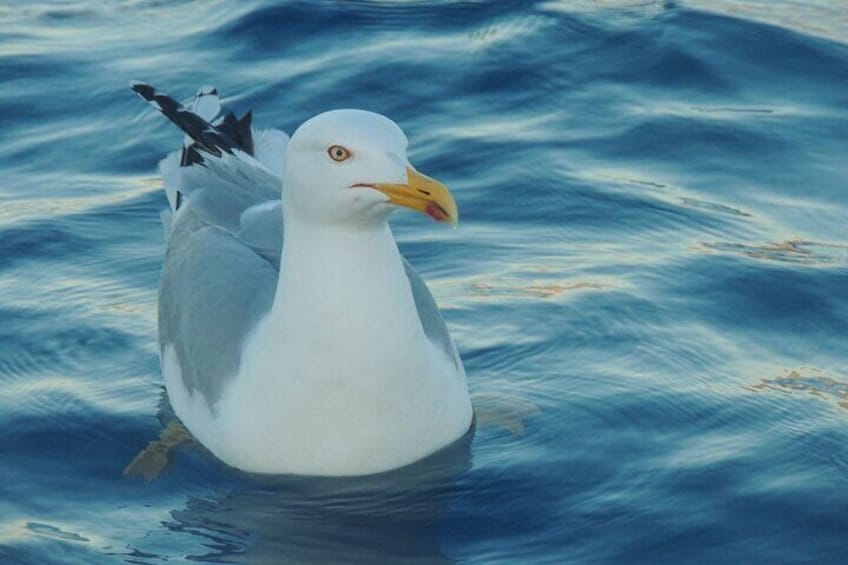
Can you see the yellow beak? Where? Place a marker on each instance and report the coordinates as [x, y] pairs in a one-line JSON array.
[[423, 194]]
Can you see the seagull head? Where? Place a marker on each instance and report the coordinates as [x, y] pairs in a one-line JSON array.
[[350, 167]]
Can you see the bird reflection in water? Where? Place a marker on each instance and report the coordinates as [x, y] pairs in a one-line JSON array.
[[385, 518]]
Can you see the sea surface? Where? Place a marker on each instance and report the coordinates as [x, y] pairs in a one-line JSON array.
[[648, 286]]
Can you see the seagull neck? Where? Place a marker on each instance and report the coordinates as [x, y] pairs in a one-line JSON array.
[[333, 266]]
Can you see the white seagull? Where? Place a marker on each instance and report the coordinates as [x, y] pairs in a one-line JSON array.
[[294, 337]]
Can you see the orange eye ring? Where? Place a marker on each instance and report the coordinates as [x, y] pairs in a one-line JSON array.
[[338, 153]]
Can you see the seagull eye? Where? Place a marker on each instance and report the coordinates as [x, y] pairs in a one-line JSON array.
[[338, 153]]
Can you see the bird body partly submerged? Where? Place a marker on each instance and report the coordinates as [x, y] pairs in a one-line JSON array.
[[294, 336]]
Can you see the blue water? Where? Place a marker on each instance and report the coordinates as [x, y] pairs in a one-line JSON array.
[[649, 284]]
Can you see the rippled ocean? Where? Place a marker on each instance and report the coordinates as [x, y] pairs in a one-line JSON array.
[[648, 286]]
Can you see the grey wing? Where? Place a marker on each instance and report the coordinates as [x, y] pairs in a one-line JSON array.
[[213, 291], [224, 234], [431, 319], [261, 227]]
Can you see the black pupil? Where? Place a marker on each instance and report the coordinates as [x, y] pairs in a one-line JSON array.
[[339, 152]]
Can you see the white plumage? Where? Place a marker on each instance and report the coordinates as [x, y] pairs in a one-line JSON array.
[[294, 336]]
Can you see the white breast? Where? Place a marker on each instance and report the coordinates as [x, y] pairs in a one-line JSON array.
[[339, 378]]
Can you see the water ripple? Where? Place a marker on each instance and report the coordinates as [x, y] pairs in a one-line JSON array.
[[648, 286]]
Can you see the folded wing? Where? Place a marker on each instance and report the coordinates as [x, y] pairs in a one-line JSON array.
[[223, 233]]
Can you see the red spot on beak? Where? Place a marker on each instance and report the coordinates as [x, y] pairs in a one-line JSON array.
[[436, 212]]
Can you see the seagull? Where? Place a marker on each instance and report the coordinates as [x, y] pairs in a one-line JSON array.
[[294, 337]]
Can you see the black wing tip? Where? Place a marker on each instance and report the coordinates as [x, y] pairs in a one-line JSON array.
[[230, 134], [143, 89], [246, 133]]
